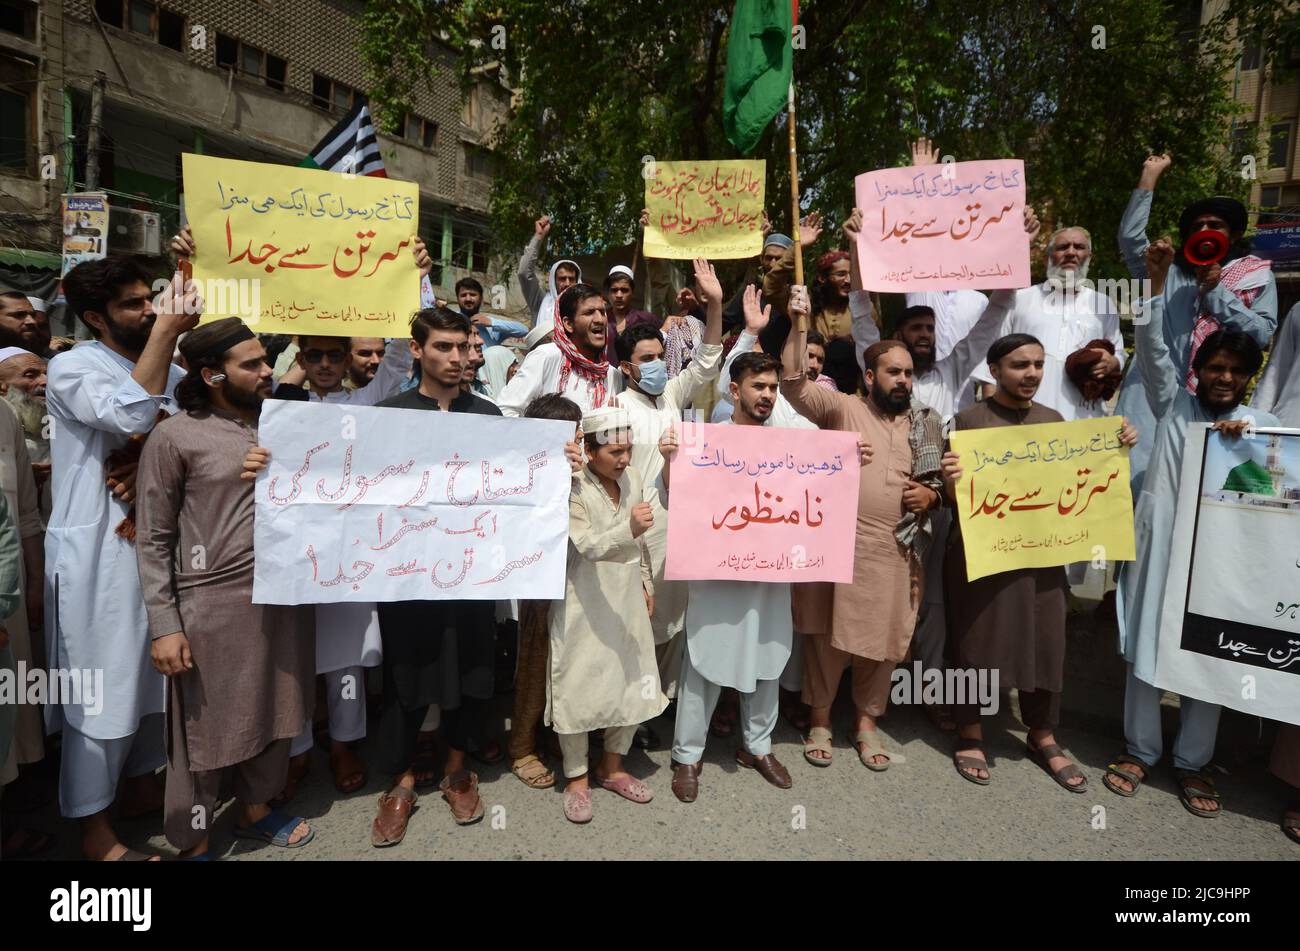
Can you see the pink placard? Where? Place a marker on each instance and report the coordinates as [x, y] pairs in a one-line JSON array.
[[944, 227], [755, 503]]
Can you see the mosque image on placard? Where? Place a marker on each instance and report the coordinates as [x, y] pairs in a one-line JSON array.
[[1269, 486]]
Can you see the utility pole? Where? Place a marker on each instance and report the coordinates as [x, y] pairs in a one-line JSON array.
[[92, 134]]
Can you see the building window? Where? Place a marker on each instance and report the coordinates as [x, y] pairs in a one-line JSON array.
[[1250, 53], [250, 61], [1270, 196], [333, 96], [1243, 139], [420, 131], [15, 119], [479, 162], [110, 12], [18, 16], [482, 252], [146, 18], [1279, 145]]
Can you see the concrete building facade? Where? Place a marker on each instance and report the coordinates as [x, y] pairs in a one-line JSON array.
[[255, 80]]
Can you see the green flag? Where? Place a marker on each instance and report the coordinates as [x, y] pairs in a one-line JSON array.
[[760, 65]]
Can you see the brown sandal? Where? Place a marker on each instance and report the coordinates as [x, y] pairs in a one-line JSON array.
[[395, 808], [1042, 754], [964, 763], [532, 772], [460, 789]]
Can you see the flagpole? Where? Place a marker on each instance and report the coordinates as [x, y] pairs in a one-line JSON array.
[[794, 204]]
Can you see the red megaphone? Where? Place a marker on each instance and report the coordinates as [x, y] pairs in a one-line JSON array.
[[1205, 247]]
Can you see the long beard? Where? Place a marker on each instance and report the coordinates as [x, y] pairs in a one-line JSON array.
[[889, 402], [1068, 278], [239, 397], [131, 340], [31, 412]]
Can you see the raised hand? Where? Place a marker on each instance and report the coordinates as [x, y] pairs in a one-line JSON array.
[[756, 317], [924, 152], [810, 229], [182, 244], [799, 304], [1032, 224], [645, 217], [1159, 255], [422, 259], [706, 279], [852, 227], [178, 308], [542, 227], [1152, 169]]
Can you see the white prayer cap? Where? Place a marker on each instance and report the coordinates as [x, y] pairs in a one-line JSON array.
[[605, 419], [8, 353], [37, 304], [536, 336], [621, 270]]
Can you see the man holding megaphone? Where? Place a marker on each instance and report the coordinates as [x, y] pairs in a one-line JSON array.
[[1215, 283]]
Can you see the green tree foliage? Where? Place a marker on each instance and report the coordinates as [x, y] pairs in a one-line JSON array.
[[1082, 90]]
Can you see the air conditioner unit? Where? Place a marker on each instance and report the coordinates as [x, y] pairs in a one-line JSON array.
[[134, 232]]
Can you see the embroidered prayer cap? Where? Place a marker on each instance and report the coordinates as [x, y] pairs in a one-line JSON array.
[[214, 339], [536, 336]]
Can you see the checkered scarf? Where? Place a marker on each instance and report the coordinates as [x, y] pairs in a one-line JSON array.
[[1245, 277], [925, 436], [595, 373]]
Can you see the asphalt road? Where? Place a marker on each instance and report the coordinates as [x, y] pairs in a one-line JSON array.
[[919, 809]]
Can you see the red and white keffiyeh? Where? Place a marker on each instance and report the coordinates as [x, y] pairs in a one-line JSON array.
[[1245, 277], [596, 373]]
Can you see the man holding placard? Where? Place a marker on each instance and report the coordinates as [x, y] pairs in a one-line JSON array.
[[1224, 363], [872, 619], [1011, 623]]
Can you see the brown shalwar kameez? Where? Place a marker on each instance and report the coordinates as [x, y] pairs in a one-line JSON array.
[[250, 689], [871, 619], [1013, 621]]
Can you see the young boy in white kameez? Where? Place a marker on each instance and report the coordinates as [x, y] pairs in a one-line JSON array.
[[603, 671]]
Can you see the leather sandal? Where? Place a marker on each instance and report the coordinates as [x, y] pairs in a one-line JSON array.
[[395, 808], [870, 739], [686, 780], [460, 789], [818, 740], [964, 763], [1134, 779], [769, 767], [1196, 784], [532, 772], [1041, 755]]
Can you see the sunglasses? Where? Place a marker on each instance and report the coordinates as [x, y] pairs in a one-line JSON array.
[[316, 356]]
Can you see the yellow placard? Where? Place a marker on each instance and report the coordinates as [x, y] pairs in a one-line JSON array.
[[1043, 495], [303, 251], [710, 209]]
